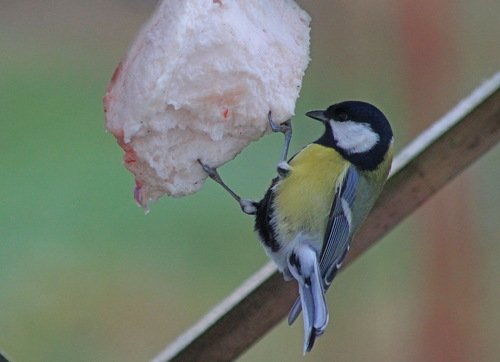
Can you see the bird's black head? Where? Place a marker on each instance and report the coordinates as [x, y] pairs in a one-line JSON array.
[[357, 130]]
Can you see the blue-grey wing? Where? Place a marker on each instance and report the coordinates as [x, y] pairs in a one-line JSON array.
[[337, 236], [338, 231]]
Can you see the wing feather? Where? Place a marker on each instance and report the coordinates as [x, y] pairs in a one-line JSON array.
[[338, 233]]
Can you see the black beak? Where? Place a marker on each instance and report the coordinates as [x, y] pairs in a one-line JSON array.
[[318, 115]]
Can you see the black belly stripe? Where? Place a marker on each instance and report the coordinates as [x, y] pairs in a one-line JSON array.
[[263, 218]]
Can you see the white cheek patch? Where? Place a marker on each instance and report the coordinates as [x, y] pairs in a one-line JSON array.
[[354, 137]]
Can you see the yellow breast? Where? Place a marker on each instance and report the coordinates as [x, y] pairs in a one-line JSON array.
[[304, 197]]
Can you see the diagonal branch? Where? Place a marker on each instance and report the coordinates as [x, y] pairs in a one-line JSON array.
[[425, 166]]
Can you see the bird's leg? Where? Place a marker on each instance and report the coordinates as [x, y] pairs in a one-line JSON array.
[[285, 128], [247, 206]]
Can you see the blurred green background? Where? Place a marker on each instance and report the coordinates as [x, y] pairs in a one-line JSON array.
[[86, 276]]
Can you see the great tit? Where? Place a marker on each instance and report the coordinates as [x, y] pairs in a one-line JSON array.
[[318, 201]]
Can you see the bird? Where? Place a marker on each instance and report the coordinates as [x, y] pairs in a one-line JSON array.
[[318, 201]]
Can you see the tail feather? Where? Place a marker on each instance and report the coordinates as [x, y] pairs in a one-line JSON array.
[[307, 299], [294, 311], [297, 306], [303, 265]]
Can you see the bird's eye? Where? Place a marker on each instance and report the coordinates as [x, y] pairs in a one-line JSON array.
[[341, 115]]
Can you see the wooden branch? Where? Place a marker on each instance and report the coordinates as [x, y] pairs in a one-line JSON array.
[[426, 165]]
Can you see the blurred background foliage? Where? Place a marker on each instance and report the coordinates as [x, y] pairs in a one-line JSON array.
[[86, 276]]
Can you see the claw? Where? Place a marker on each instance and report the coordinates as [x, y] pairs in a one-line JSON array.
[[281, 127], [211, 171]]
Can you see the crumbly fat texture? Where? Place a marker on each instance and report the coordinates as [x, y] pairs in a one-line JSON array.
[[198, 83]]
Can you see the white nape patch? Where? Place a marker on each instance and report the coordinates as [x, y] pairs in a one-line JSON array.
[[354, 137]]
